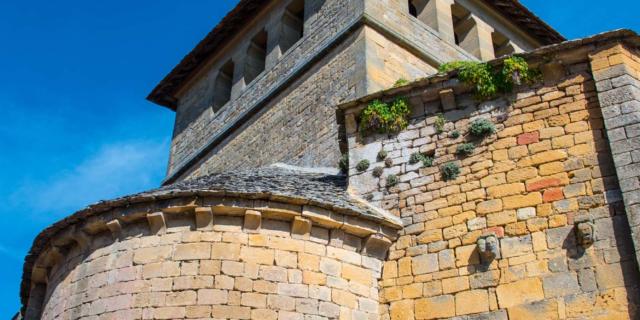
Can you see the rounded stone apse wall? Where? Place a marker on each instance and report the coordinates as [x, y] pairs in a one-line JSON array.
[[226, 259]]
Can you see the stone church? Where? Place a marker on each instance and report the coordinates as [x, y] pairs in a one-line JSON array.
[[510, 204]]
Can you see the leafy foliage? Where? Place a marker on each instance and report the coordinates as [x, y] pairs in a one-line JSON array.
[[450, 171], [392, 180], [489, 81], [377, 172], [465, 149], [439, 123], [481, 128], [400, 82], [455, 134], [382, 117], [388, 162], [427, 161], [343, 164], [416, 157], [382, 155], [363, 165]]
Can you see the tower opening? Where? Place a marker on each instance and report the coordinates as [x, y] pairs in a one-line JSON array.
[[223, 85], [256, 56], [292, 25]]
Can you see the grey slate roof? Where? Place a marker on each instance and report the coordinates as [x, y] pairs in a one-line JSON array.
[[304, 187]]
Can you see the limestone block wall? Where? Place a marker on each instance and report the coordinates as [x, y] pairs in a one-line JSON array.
[[213, 261], [549, 167], [387, 62]]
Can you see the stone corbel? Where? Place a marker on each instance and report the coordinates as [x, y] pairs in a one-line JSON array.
[[301, 228], [204, 218], [115, 228], [252, 221], [157, 223], [376, 245], [448, 99]]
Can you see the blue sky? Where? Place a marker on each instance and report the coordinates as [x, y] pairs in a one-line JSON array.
[[75, 125]]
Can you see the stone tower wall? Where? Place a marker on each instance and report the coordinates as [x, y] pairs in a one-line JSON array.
[[549, 167], [243, 265]]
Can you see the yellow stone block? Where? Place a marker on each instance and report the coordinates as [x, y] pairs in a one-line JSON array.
[[520, 292], [474, 301], [521, 174], [505, 190], [522, 201]]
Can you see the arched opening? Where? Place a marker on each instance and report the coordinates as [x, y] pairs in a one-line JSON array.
[[413, 9], [256, 56], [223, 85], [502, 46], [462, 23], [292, 25]]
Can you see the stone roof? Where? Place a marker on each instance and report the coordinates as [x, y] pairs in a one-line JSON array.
[[235, 20], [280, 184]]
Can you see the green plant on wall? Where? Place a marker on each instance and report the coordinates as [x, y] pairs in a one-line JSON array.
[[383, 117], [487, 80], [382, 155], [363, 165], [343, 164], [439, 123], [481, 128], [392, 180], [377, 172], [416, 157], [450, 171], [455, 134], [400, 82], [465, 149]]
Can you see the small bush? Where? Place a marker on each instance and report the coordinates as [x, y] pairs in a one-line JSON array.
[[455, 134], [481, 128], [382, 155], [388, 162], [363, 165], [440, 122], [377, 172], [427, 161], [488, 80], [400, 82], [382, 117], [416, 157], [392, 180], [450, 171], [343, 164], [465, 149]]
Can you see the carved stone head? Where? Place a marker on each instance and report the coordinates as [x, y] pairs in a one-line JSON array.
[[585, 233], [488, 247]]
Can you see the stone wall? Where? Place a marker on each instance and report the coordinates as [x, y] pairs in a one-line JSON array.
[[617, 74], [299, 126], [326, 67], [242, 266], [548, 168], [196, 124]]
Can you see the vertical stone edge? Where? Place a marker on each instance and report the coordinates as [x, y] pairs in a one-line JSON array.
[[616, 71]]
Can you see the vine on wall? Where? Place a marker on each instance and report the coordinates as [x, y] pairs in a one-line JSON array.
[[381, 117], [488, 80]]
